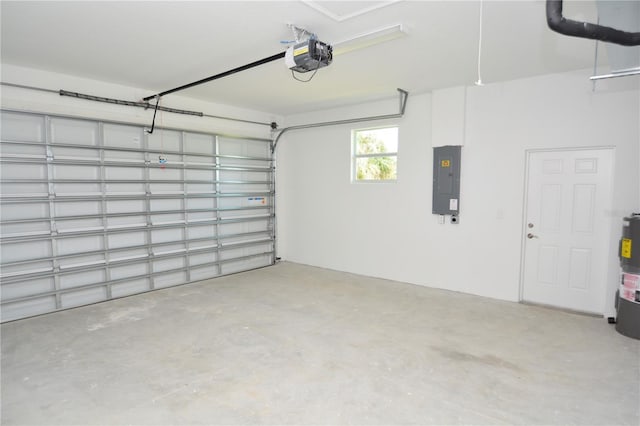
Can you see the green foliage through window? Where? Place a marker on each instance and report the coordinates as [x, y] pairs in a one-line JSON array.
[[375, 154]]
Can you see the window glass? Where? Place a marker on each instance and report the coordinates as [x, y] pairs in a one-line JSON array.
[[375, 154]]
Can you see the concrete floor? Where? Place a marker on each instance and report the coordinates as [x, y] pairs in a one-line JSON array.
[[292, 344]]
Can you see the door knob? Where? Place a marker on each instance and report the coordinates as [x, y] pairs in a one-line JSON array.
[[530, 236]]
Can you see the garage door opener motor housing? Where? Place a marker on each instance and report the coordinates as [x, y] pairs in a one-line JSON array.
[[308, 55]]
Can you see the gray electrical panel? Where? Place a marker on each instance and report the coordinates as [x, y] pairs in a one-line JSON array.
[[446, 180]]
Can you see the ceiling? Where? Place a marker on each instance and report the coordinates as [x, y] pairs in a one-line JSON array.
[[161, 45]]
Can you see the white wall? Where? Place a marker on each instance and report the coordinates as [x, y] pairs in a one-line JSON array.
[[388, 230], [29, 100]]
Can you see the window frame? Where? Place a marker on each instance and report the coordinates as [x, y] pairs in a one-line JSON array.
[[355, 156]]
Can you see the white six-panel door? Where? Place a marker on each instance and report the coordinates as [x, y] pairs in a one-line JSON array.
[[567, 228], [95, 210]]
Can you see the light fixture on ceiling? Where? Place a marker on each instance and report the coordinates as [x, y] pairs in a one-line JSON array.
[[371, 38]]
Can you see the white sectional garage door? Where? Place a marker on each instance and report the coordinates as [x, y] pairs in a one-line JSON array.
[[92, 211]]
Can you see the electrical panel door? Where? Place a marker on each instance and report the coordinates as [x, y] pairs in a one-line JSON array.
[[446, 180]]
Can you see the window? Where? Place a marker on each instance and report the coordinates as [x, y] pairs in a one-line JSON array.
[[375, 155]]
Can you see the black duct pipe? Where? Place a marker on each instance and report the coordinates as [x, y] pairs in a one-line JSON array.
[[560, 24]]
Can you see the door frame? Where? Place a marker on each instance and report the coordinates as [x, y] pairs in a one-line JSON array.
[[523, 224]]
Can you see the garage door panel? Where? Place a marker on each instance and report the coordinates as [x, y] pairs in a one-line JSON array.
[[166, 188], [127, 271], [81, 279], [21, 150], [169, 279], [66, 153], [28, 288], [168, 265], [126, 206], [240, 175], [22, 251], [124, 156], [130, 287], [124, 255], [167, 218], [201, 216], [125, 189], [121, 222], [35, 267], [29, 228], [27, 308], [75, 208], [22, 127], [71, 131], [100, 210], [80, 260], [246, 187], [76, 245], [247, 147], [248, 213], [82, 297], [166, 204], [67, 171], [32, 211], [236, 202], [199, 143], [22, 171], [203, 272], [246, 227], [194, 163], [74, 189], [124, 136], [165, 174], [202, 231], [201, 203], [201, 188], [24, 190], [78, 225], [167, 235], [165, 140], [134, 172], [171, 159], [128, 239], [203, 255], [244, 264], [168, 249], [196, 174]]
